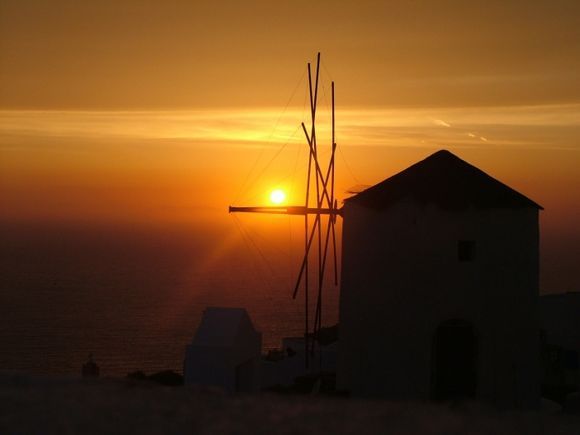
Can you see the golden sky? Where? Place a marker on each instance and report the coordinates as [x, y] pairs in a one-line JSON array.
[[137, 54], [169, 111]]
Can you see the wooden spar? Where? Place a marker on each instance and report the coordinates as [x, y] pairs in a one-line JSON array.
[[311, 156], [318, 200], [330, 230], [292, 210], [333, 200]]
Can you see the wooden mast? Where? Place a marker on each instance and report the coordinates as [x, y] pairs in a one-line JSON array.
[[326, 204]]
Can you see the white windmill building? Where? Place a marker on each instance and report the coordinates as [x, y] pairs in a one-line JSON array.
[[439, 288]]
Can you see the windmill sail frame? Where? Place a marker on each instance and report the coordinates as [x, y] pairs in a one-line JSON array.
[[322, 230]]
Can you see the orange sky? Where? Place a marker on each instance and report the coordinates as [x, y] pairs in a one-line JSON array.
[[167, 112]]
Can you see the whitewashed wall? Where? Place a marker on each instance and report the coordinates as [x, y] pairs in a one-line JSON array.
[[401, 278]]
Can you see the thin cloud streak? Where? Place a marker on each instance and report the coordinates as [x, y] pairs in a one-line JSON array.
[[441, 123], [510, 126]]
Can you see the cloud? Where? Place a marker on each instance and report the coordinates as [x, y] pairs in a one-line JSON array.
[[545, 125], [441, 123]]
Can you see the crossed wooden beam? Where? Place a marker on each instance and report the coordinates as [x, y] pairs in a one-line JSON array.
[[322, 185]]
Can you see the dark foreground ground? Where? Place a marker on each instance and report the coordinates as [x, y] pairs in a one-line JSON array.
[[35, 405]]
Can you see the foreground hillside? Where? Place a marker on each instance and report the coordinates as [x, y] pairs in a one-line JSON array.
[[67, 405]]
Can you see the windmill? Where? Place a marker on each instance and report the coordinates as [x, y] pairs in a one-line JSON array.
[[321, 204]]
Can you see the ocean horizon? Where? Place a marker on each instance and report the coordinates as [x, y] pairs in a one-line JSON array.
[[131, 296]]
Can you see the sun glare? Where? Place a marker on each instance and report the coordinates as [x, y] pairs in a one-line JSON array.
[[278, 196]]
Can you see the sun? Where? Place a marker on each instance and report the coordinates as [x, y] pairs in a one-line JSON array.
[[277, 196]]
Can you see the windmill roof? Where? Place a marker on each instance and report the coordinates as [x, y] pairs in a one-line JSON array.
[[445, 180]]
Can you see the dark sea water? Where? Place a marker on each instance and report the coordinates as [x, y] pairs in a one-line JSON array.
[[133, 296]]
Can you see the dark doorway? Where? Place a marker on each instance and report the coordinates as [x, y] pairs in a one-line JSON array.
[[454, 361], [245, 376]]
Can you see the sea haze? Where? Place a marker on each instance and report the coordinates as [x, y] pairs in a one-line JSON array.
[[132, 296]]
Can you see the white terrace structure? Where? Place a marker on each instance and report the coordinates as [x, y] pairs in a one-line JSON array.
[[439, 288]]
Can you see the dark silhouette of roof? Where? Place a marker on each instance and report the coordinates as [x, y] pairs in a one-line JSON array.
[[445, 180]]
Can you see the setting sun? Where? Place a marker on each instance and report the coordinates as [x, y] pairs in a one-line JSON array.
[[278, 196]]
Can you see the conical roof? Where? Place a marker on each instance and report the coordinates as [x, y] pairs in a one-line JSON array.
[[443, 179]]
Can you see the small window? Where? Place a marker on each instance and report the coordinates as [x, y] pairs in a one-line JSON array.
[[466, 250]]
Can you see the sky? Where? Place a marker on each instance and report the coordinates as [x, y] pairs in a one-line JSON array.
[[166, 112]]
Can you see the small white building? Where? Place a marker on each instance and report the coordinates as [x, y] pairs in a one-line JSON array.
[[560, 322], [439, 288], [560, 319], [225, 352]]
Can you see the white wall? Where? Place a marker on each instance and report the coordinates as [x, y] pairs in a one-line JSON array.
[[401, 278]]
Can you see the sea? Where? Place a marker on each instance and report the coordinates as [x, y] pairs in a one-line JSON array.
[[133, 296]]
